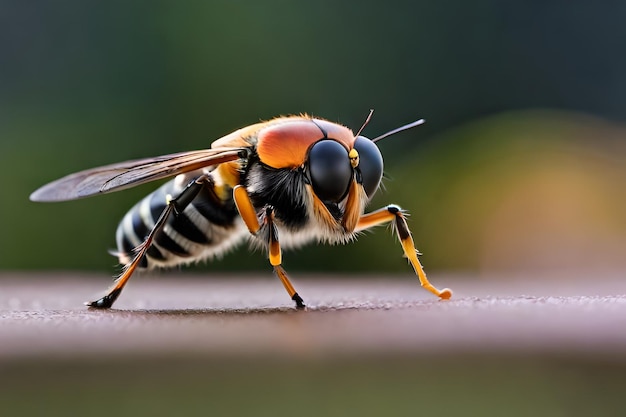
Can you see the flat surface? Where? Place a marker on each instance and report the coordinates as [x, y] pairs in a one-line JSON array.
[[531, 345], [43, 316]]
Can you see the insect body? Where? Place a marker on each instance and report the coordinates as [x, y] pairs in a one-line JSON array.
[[280, 183]]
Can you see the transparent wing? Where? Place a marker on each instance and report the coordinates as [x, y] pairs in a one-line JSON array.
[[128, 174]]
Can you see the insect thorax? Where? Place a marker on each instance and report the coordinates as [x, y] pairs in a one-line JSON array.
[[287, 191]]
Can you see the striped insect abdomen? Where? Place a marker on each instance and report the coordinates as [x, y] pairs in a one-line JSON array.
[[206, 228]]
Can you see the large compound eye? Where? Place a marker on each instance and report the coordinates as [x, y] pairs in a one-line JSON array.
[[370, 164], [330, 170]]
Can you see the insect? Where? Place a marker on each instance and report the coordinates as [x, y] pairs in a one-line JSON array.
[[279, 183]]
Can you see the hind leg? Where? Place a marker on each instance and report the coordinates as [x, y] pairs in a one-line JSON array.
[[174, 205]]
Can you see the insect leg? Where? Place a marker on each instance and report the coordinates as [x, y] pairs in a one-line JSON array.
[[276, 258], [175, 205], [249, 216], [395, 214]]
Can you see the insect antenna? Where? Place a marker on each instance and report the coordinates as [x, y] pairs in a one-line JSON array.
[[400, 129], [367, 120]]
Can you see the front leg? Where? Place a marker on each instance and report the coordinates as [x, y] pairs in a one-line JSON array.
[[395, 214]]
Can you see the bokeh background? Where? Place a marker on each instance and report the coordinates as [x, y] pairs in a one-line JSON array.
[[519, 172], [519, 166]]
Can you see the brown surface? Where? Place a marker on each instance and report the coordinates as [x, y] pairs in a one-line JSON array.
[[43, 316]]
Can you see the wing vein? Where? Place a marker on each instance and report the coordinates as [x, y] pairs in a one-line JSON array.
[[115, 177]]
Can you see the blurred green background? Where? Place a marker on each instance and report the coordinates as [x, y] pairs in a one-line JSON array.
[[520, 167], [520, 164], [469, 385]]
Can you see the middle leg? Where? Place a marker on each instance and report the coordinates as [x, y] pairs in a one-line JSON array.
[[269, 234]]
